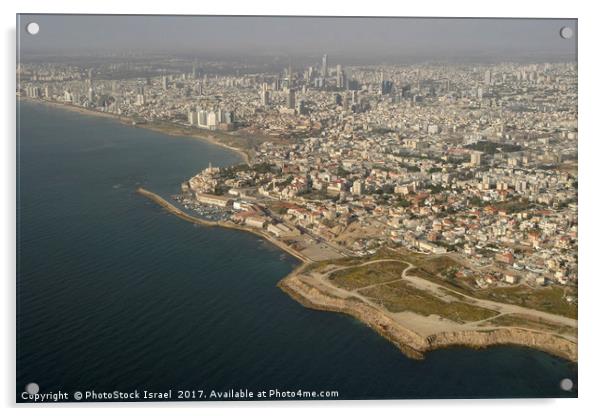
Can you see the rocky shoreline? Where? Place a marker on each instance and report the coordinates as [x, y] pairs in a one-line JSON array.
[[410, 343], [414, 345]]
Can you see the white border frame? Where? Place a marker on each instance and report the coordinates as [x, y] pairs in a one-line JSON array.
[[590, 146]]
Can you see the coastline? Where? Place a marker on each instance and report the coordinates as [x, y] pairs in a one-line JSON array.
[[410, 343], [245, 155], [195, 220], [414, 345]]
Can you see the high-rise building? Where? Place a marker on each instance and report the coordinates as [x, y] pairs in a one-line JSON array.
[[68, 97], [325, 65], [487, 77], [212, 120], [475, 158], [193, 117], [341, 79], [164, 82], [228, 117], [265, 95], [486, 184], [290, 99], [202, 118], [33, 92], [386, 86], [290, 74], [346, 102], [140, 100], [300, 108], [358, 187], [309, 74], [406, 91], [194, 70]]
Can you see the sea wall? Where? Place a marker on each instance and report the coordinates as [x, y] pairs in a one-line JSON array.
[[409, 342], [190, 218], [414, 345]]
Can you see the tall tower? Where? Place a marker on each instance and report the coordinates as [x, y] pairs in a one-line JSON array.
[[265, 95], [325, 65], [290, 101], [194, 69], [290, 73]]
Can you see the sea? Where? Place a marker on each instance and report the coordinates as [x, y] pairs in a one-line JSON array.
[[115, 295]]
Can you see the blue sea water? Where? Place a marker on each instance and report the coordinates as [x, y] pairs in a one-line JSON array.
[[114, 293]]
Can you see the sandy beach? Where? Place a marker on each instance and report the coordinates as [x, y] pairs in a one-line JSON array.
[[174, 130]]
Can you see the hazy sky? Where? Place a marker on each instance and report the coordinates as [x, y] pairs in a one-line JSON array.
[[298, 35]]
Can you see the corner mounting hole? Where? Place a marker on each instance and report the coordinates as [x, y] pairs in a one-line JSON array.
[[32, 388], [32, 28], [566, 384], [566, 32]]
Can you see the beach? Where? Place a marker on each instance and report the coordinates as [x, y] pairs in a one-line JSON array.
[[173, 130]]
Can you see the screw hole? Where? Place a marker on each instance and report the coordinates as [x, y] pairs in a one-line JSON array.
[[32, 28], [566, 32], [32, 388]]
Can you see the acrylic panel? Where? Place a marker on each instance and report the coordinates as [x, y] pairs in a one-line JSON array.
[[216, 208]]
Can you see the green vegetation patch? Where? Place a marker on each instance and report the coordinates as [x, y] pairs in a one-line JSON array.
[[529, 322], [401, 296], [371, 274], [547, 299], [514, 205]]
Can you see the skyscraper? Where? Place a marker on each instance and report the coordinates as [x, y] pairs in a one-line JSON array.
[[140, 98], [341, 81], [301, 109], [325, 65], [290, 100], [265, 95], [386, 86]]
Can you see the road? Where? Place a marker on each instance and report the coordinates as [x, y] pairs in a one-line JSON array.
[[441, 291]]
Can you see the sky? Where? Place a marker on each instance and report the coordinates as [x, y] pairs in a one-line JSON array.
[[425, 37]]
